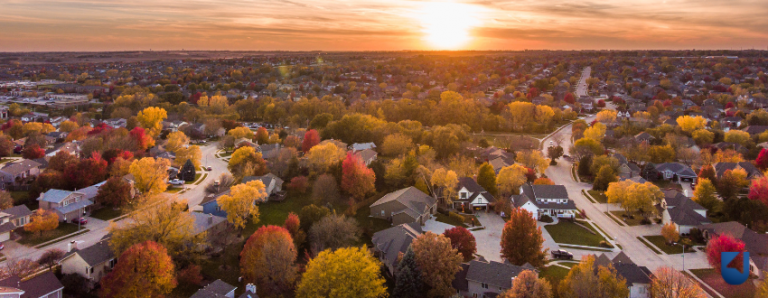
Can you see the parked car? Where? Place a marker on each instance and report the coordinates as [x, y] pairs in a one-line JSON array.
[[176, 182], [2, 246], [81, 220], [208, 168], [561, 254]]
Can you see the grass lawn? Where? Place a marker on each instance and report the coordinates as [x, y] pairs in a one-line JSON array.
[[714, 280], [447, 219], [174, 189], [599, 196], [630, 222], [661, 243], [4, 160], [569, 233], [30, 239], [201, 180], [618, 222], [641, 239], [19, 196], [106, 213], [554, 274], [197, 176]]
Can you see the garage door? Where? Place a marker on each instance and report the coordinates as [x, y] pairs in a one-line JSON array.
[[5, 236]]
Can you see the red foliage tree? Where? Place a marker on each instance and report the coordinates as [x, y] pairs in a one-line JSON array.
[[708, 172], [103, 127], [724, 242], [262, 135], [356, 179], [139, 135], [86, 172], [530, 175], [292, 223], [762, 160], [33, 152], [145, 269], [299, 183], [311, 138], [569, 98], [115, 192], [601, 103], [112, 154], [462, 240], [759, 190], [191, 275]]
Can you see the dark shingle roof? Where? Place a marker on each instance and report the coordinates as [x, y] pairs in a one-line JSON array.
[[493, 273], [395, 240], [550, 191], [754, 242], [18, 211], [94, 254], [216, 289], [37, 286]]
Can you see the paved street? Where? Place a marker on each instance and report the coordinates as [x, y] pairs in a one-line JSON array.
[[196, 193], [581, 88]]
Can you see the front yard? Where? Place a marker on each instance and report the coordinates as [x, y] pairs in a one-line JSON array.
[[661, 243], [31, 239], [714, 280], [106, 213], [554, 274], [636, 219], [569, 233], [599, 196]]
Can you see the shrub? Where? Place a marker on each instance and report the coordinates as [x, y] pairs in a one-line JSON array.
[[697, 236], [583, 214], [545, 218], [658, 220], [645, 221], [455, 217]]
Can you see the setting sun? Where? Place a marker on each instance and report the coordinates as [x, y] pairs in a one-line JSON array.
[[446, 25]]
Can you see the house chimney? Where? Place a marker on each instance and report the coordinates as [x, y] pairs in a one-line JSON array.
[[250, 288], [69, 245]]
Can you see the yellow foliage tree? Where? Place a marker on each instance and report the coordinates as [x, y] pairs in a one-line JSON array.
[[606, 116], [533, 159], [330, 275], [510, 179], [240, 203], [191, 153], [446, 181], [42, 220], [241, 132], [150, 175], [595, 132], [690, 124], [176, 140], [68, 126], [151, 119], [737, 136], [323, 156]]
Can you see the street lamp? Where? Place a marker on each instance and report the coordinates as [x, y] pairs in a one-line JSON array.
[[675, 243]]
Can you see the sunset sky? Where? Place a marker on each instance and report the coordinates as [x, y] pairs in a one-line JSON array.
[[99, 25]]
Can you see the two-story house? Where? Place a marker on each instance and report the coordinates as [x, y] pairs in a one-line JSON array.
[[67, 204], [20, 171], [11, 219], [550, 200], [682, 211], [638, 278], [93, 262], [389, 244], [481, 278], [406, 205], [471, 195]]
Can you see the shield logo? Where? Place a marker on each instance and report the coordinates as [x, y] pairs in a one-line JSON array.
[[730, 275]]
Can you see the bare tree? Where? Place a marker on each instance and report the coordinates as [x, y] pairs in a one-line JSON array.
[[225, 182], [669, 283], [333, 232]]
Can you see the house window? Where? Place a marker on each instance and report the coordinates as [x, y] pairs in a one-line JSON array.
[[485, 286], [463, 195], [382, 213]]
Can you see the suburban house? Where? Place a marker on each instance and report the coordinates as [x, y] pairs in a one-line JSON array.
[[367, 156], [19, 171], [241, 142], [755, 243], [682, 211], [93, 262], [116, 122], [752, 171], [499, 163], [406, 205], [216, 289], [69, 147], [67, 204], [362, 146], [39, 285], [676, 171], [550, 200], [638, 277], [272, 183], [481, 278], [626, 169], [471, 195], [491, 153], [388, 244], [12, 218], [214, 225], [211, 206], [644, 137]]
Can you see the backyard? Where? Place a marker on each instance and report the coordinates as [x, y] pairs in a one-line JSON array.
[[554, 274], [569, 233]]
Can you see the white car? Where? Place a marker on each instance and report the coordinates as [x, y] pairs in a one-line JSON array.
[[176, 182]]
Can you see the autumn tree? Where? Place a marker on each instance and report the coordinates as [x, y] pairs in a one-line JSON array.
[[311, 214], [486, 177], [510, 179], [690, 124], [116, 192], [758, 191], [462, 240], [151, 119], [268, 260], [633, 196], [762, 290], [311, 138], [333, 232], [51, 257], [293, 225], [670, 283], [521, 239], [584, 147], [6, 201], [42, 221], [445, 182], [724, 243], [533, 159], [737, 136], [595, 132], [438, 262], [325, 190], [396, 145], [150, 175], [346, 272], [262, 135], [241, 132], [245, 161], [587, 279], [708, 172], [357, 179], [703, 137], [704, 194], [165, 223], [762, 160], [528, 285], [731, 182], [33, 152], [554, 152], [240, 203], [670, 233], [85, 172], [144, 270], [321, 157], [176, 140], [606, 116], [605, 176]]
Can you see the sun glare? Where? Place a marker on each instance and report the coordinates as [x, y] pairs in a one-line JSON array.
[[446, 25]]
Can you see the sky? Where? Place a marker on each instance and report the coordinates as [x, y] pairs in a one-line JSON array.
[[369, 25]]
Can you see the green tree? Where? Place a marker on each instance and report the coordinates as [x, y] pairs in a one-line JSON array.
[[604, 177], [408, 283], [486, 177]]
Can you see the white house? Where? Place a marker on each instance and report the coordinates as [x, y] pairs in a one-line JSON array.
[[471, 195], [550, 200], [682, 211]]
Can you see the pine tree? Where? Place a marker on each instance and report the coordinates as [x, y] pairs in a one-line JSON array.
[[188, 171], [486, 177], [408, 283]]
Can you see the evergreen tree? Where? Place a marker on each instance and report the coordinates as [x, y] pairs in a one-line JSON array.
[[486, 177], [649, 172], [584, 165], [408, 283], [188, 171]]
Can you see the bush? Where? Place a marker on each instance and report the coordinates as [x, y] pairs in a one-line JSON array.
[[697, 236], [605, 244], [76, 285], [442, 210], [455, 217], [545, 218], [645, 221], [583, 214], [658, 220]]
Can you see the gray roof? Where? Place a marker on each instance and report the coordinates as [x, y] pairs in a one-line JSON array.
[[366, 154], [550, 191], [37, 286], [493, 273], [7, 227], [362, 146], [266, 179], [20, 167], [216, 289], [395, 240], [677, 168], [203, 222], [95, 254], [754, 242], [751, 170], [533, 193], [685, 215], [626, 268], [414, 201], [18, 211], [74, 206], [56, 195]]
